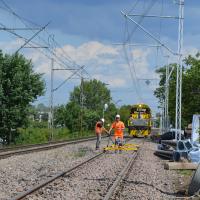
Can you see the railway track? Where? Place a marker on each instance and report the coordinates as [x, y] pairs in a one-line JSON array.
[[23, 149], [115, 182], [44, 183], [7, 152], [120, 177]]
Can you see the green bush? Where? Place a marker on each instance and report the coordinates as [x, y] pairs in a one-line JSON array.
[[32, 136], [42, 135], [36, 124]]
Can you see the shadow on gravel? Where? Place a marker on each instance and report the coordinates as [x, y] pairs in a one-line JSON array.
[[98, 179], [176, 194]]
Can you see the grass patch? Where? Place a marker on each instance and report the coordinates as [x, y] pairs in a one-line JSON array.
[[81, 152], [185, 172], [34, 135]]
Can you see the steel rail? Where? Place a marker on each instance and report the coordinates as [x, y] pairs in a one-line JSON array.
[[120, 177], [12, 148], [6, 149], [44, 183], [33, 148]]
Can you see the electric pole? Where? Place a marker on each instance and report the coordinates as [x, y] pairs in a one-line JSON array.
[[81, 103], [51, 101], [179, 72], [166, 110]]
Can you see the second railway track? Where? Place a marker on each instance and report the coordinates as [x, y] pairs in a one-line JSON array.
[[7, 152]]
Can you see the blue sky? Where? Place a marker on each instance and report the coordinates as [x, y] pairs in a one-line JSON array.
[[87, 29]]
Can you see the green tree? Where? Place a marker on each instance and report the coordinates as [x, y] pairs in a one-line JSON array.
[[60, 115], [90, 117], [95, 95], [125, 113], [42, 108], [159, 92], [19, 86], [110, 113], [190, 89], [72, 116]]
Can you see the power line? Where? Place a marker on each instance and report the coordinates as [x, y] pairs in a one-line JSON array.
[[133, 74], [24, 20], [32, 38], [141, 19]]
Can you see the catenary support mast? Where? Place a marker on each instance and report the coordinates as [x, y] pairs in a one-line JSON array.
[[179, 72]]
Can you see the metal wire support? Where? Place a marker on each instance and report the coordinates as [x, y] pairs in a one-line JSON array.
[[26, 42], [148, 33], [166, 110], [51, 100], [179, 72], [138, 45], [81, 103], [156, 16], [162, 118]]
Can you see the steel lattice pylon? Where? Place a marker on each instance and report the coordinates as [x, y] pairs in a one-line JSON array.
[[166, 110], [179, 55], [179, 72]]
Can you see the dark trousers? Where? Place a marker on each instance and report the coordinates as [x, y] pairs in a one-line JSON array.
[[98, 141]]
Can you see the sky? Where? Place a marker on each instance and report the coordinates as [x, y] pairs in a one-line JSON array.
[[89, 33]]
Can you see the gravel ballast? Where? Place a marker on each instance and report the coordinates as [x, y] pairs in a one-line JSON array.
[[90, 181], [20, 172], [147, 179]]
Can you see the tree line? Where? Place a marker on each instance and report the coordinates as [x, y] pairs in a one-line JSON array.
[[190, 89], [20, 86], [95, 95]]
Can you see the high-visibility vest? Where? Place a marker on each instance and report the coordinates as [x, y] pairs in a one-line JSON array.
[[118, 128], [98, 128]]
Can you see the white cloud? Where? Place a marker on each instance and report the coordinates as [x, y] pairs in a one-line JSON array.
[[114, 82], [140, 62], [103, 62], [93, 51], [12, 46], [190, 50]]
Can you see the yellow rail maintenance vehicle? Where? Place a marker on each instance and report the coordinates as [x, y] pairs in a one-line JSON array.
[[139, 123]]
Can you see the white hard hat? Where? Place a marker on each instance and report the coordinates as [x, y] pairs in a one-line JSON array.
[[117, 116], [103, 120]]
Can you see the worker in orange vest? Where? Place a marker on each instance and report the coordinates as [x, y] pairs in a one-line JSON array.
[[99, 129], [118, 127]]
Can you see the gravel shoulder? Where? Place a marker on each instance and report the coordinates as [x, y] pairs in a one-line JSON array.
[[147, 179], [20, 172], [90, 181]]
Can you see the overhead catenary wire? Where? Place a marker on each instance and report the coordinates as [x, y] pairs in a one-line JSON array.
[[32, 37], [58, 53], [62, 63], [25, 21], [141, 18], [133, 74], [58, 57], [76, 72], [32, 44], [134, 6], [148, 33], [134, 78], [51, 50]]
